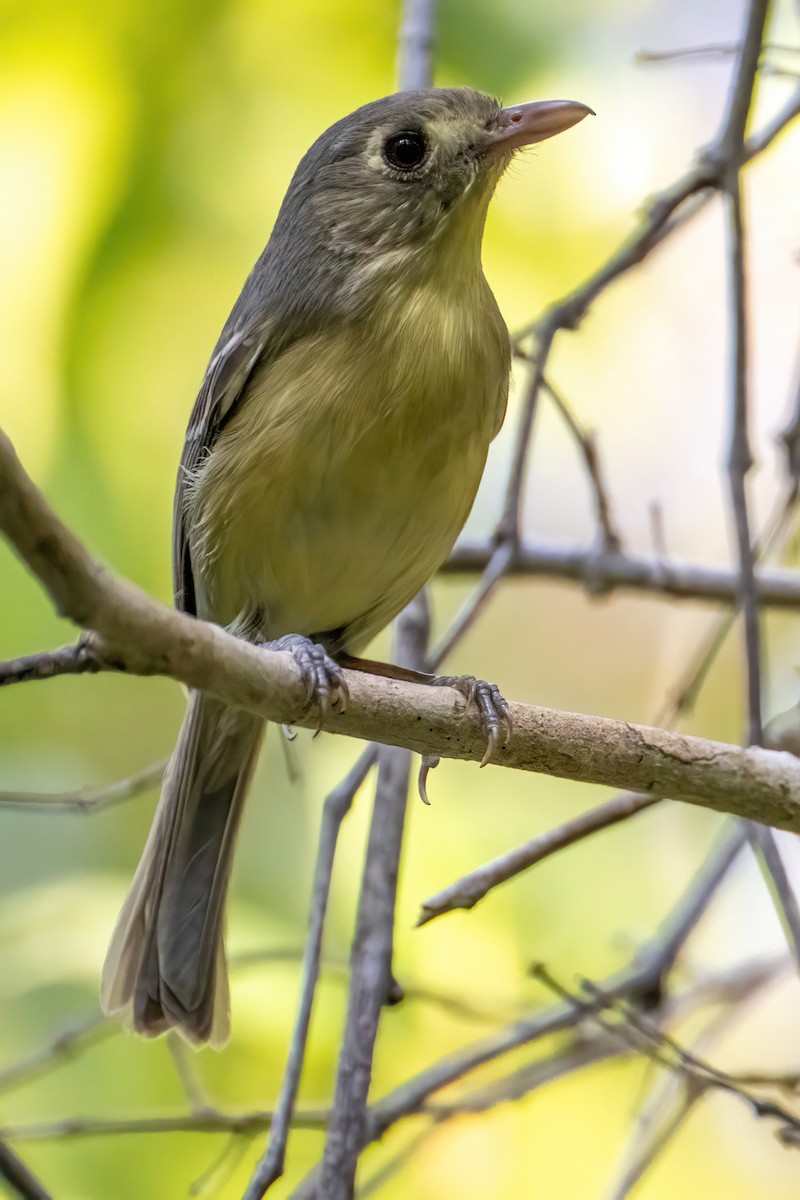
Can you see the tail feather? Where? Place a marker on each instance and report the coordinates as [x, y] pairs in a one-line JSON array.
[[166, 963]]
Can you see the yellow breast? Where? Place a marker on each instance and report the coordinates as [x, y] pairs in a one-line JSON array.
[[349, 469]]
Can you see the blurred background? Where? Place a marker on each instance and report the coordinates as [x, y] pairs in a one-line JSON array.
[[144, 150]]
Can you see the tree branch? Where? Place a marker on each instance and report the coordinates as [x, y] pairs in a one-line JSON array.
[[372, 985], [19, 1177], [665, 212], [132, 632], [47, 664], [608, 571], [85, 799], [337, 805], [470, 889]]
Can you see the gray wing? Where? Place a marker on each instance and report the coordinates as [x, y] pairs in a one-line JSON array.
[[233, 362]]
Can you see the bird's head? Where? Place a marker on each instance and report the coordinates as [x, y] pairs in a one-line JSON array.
[[389, 184]]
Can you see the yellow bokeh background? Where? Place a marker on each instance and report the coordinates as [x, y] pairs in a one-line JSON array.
[[144, 150]]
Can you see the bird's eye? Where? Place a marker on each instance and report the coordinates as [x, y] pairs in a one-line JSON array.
[[405, 151]]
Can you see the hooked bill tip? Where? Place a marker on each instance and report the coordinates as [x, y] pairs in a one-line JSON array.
[[525, 124]]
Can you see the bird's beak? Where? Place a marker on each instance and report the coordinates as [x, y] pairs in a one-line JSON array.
[[525, 124]]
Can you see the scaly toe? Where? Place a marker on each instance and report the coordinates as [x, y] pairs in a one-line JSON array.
[[492, 708], [322, 676]]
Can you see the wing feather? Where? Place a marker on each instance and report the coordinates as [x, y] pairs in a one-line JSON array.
[[220, 393]]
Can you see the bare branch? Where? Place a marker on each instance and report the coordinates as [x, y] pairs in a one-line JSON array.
[[47, 664], [660, 218], [713, 50], [674, 1096], [186, 1067], [584, 1050], [757, 143], [495, 566], [587, 444], [657, 959], [415, 68], [204, 1122], [739, 453], [448, 1002], [85, 799], [128, 631], [645, 1035], [669, 209], [509, 528], [740, 459], [719, 50], [643, 981], [607, 571], [337, 805], [145, 637], [64, 1046], [470, 889], [372, 985], [653, 1133], [19, 1177]]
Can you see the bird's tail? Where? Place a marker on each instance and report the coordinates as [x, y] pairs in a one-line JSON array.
[[165, 966]]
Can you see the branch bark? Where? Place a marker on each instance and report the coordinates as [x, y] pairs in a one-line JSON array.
[[372, 984], [470, 889], [130, 631], [606, 571], [19, 1177]]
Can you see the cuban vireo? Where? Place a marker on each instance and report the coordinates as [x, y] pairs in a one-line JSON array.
[[332, 457]]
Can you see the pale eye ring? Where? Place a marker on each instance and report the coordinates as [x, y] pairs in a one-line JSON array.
[[406, 150]]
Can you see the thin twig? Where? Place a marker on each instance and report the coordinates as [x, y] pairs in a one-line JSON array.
[[416, 44], [399, 1160], [509, 528], [673, 1098], [85, 799], [714, 50], [660, 218], [728, 986], [19, 1177], [740, 458], [609, 538], [467, 891], [455, 1005], [652, 1138], [372, 985], [673, 580], [739, 454], [643, 981], [78, 659], [664, 213], [495, 567], [205, 1122], [186, 1066], [148, 637], [656, 960], [777, 528], [61, 1048], [645, 1035], [337, 805]]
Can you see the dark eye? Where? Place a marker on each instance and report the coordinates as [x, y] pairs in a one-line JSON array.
[[405, 151]]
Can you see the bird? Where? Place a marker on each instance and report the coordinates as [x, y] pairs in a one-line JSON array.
[[331, 459]]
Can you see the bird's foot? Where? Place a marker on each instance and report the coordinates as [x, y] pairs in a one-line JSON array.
[[323, 677], [492, 708]]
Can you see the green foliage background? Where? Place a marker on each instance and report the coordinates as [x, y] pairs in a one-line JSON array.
[[144, 149]]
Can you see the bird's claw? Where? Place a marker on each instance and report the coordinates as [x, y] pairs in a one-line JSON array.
[[323, 677], [429, 761], [492, 708]]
